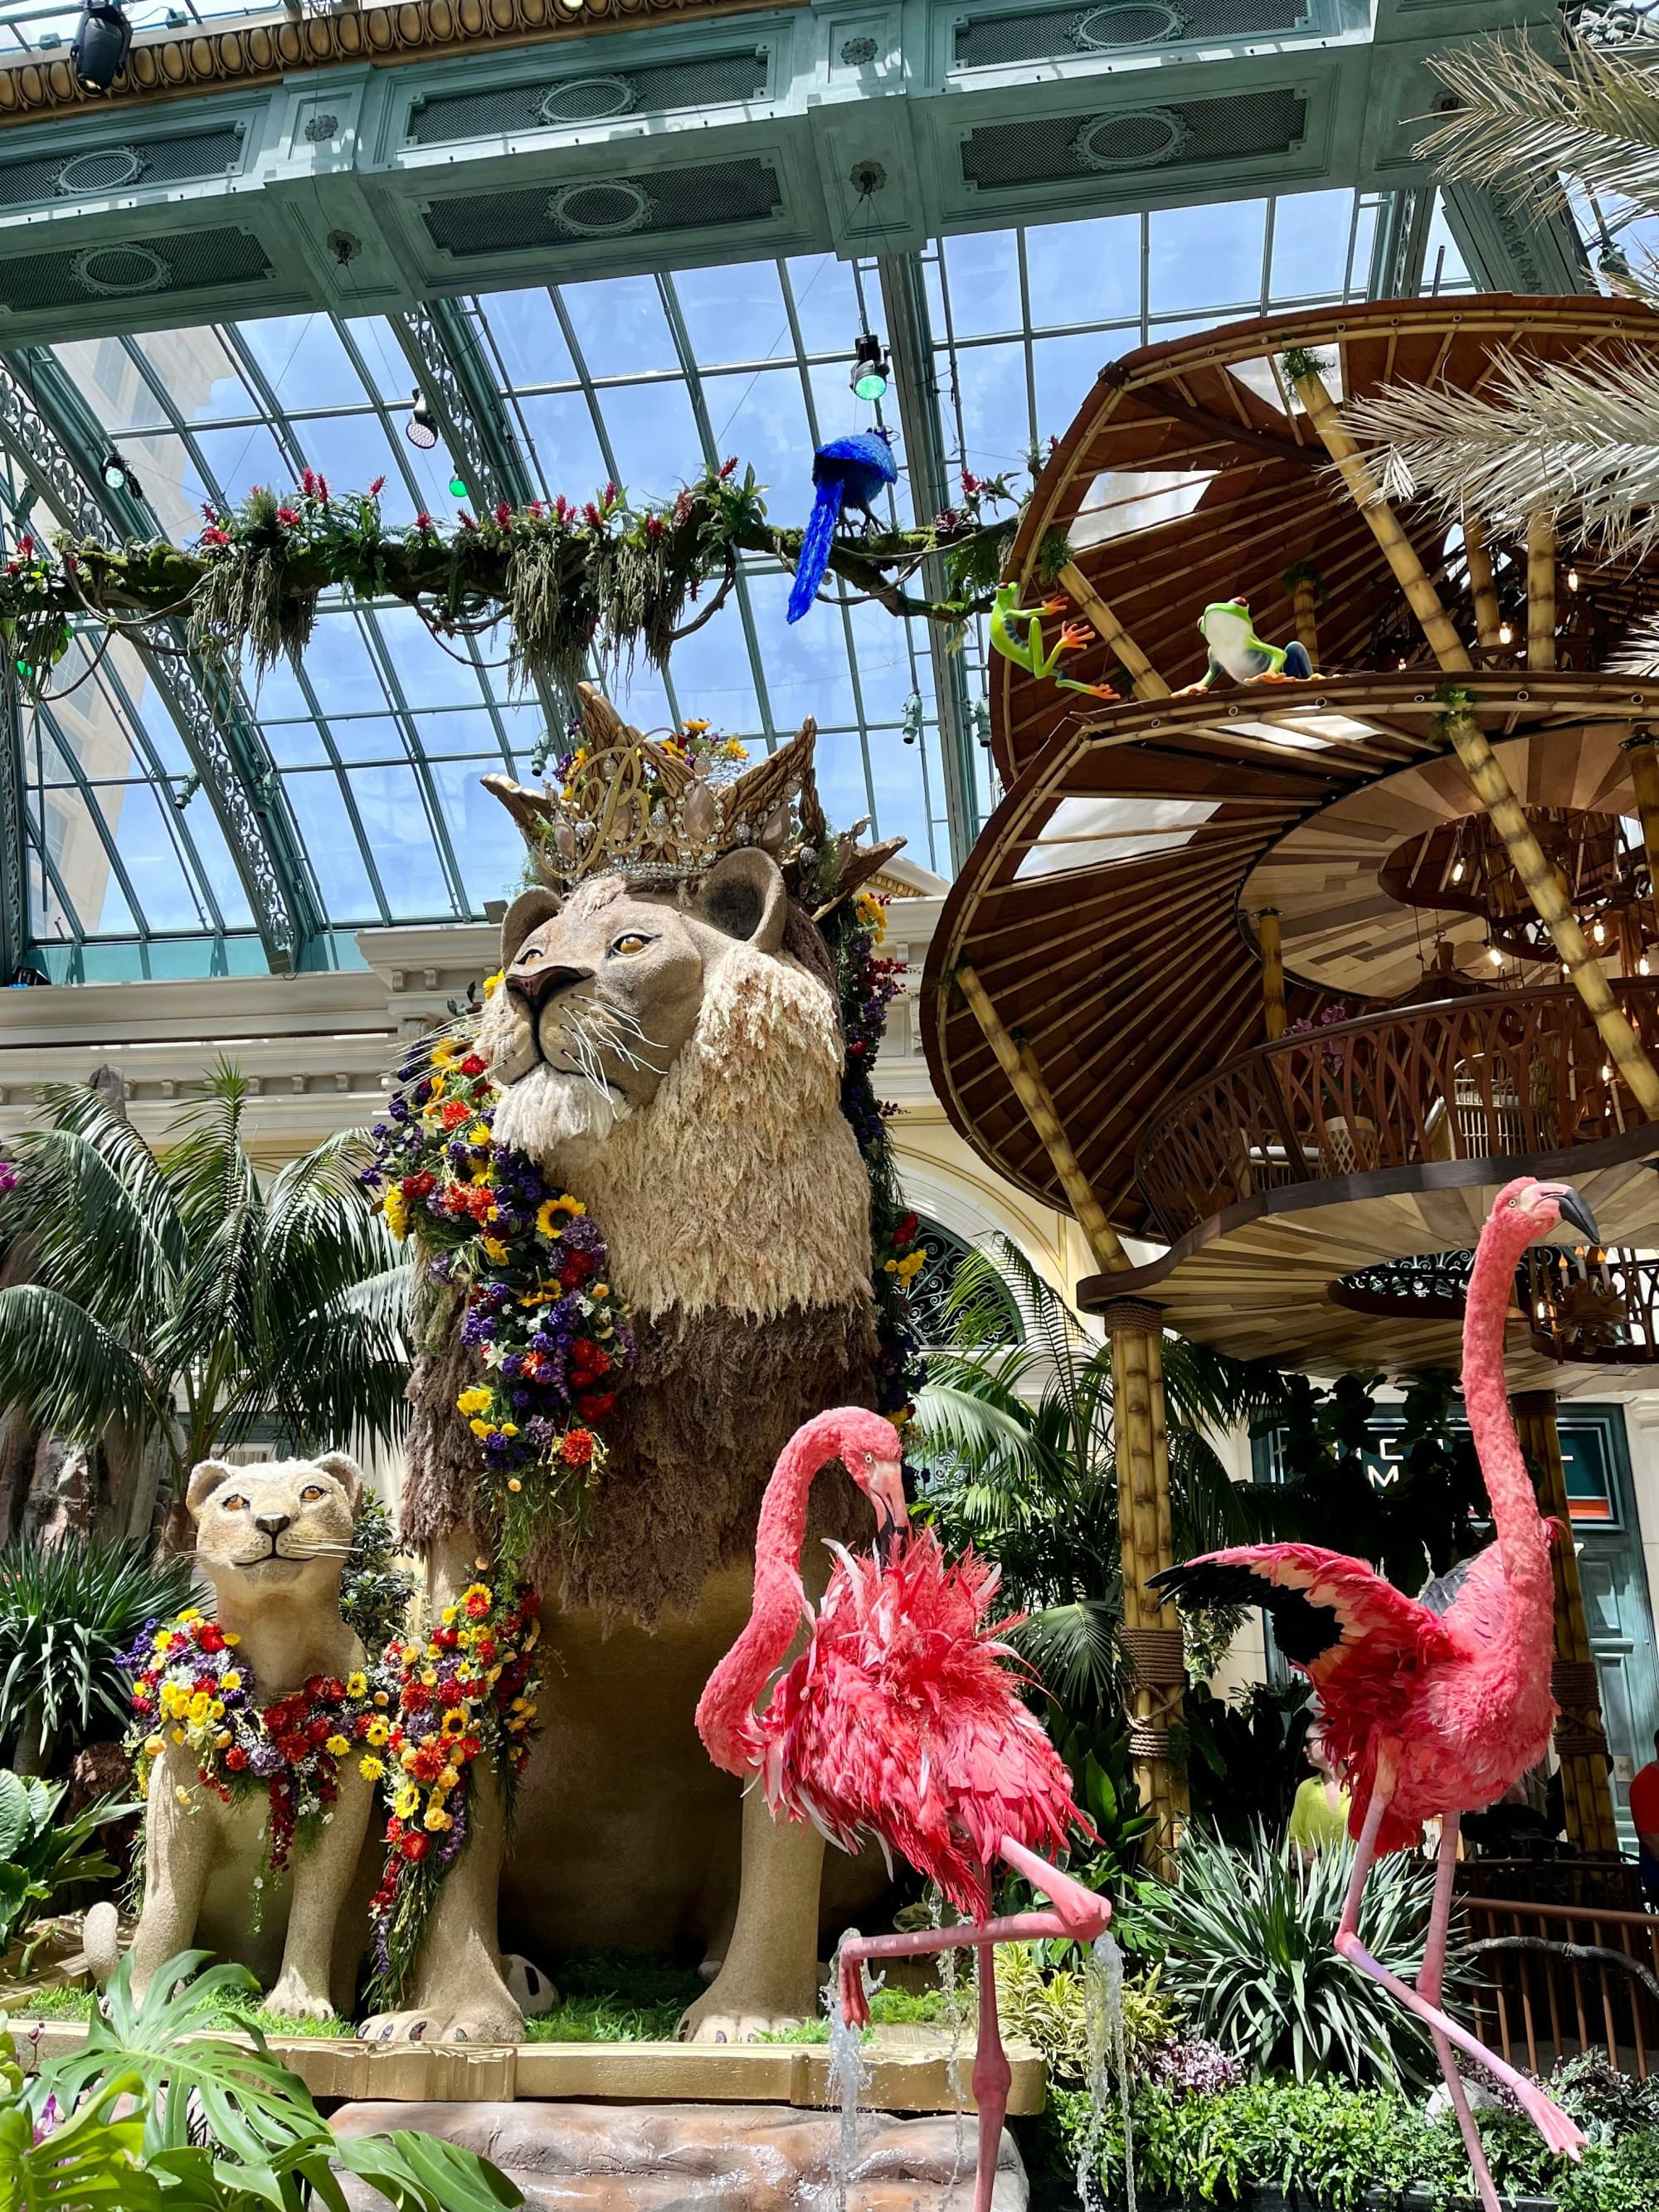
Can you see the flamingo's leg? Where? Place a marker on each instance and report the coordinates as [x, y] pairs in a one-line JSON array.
[[1431, 1982], [1083, 1911], [1550, 2121], [991, 2078]]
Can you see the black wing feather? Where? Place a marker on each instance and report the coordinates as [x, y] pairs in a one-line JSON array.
[[1303, 1630]]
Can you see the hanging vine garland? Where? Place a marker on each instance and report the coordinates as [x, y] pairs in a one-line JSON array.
[[575, 580]]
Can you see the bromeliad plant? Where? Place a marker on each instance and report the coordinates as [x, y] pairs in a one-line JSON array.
[[1245, 1936], [180, 1299], [68, 1612]]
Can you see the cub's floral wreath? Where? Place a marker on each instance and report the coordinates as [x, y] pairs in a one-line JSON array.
[[574, 580]]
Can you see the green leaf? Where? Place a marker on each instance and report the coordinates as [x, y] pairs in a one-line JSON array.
[[424, 2173]]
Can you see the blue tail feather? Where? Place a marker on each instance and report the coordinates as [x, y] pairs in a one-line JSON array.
[[814, 549]]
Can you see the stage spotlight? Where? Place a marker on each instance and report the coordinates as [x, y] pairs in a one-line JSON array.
[[420, 430], [98, 51]]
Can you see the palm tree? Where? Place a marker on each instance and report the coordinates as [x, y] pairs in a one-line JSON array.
[[176, 1300], [1018, 1442], [1579, 440]]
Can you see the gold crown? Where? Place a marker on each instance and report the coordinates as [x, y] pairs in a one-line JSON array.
[[661, 808]]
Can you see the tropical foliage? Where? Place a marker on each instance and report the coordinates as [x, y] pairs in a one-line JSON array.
[[1019, 1446], [67, 1612], [214, 2124], [45, 1853], [179, 1300], [1245, 1936]]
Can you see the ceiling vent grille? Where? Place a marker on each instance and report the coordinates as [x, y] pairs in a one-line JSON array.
[[716, 194], [100, 170], [186, 261], [1175, 135], [566, 103], [998, 41]]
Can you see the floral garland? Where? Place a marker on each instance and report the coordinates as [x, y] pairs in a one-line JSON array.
[[553, 1339], [467, 1689], [867, 984], [188, 1686]]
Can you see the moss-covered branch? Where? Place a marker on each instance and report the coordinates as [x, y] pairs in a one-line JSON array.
[[602, 581]]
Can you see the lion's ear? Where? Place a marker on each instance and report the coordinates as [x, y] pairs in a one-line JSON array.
[[346, 1471], [528, 911], [743, 896], [204, 1478]]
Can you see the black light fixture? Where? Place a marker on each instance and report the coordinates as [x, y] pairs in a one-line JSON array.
[[98, 51], [118, 476], [870, 373], [420, 430]]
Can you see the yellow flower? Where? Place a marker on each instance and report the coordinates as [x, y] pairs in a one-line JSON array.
[[455, 1724], [407, 1756], [396, 1213], [480, 1428], [200, 1706], [428, 1675], [371, 1769], [406, 1800], [509, 1428], [336, 1747], [475, 1401], [600, 1290], [222, 1741], [872, 913], [440, 1085], [445, 1054], [232, 1680], [163, 1640], [515, 1487], [190, 1613], [478, 1135], [154, 1747], [217, 1710], [437, 1819], [693, 728], [232, 1640], [448, 1779], [475, 1589], [178, 1735], [495, 1250], [378, 1732], [356, 1686], [734, 749], [492, 984], [181, 1794], [450, 1613]]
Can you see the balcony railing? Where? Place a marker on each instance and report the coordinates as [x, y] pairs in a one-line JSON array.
[[1556, 1981], [1518, 1073]]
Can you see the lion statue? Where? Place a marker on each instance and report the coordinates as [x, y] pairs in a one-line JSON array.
[[671, 1052], [272, 1539]]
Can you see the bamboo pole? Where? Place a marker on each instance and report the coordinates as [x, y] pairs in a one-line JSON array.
[[1581, 1742], [1366, 495], [1019, 1064], [1483, 587], [1150, 1635], [1273, 970], [1146, 682], [1645, 775], [1541, 591], [1304, 583], [1544, 887]]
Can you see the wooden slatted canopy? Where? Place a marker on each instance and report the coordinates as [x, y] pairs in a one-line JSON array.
[[1100, 906], [1188, 475]]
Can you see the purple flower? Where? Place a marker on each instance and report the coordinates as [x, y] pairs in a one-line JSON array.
[[264, 1760], [48, 2120], [8, 1177]]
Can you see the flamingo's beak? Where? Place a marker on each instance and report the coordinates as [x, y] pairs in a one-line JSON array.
[[885, 1484], [1573, 1209]]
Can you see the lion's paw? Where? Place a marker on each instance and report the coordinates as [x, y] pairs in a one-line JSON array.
[[294, 1999], [725, 2015], [474, 2023]]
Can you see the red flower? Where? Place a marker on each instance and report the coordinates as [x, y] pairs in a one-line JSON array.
[[236, 1759], [423, 522], [588, 1361], [308, 480], [595, 1404], [416, 1697], [331, 1688], [288, 516], [473, 1065], [727, 467], [377, 488], [320, 1730], [214, 535], [294, 1746], [591, 514], [905, 1229], [418, 1186], [454, 1112], [576, 1270], [210, 1636], [413, 1845], [478, 1604], [576, 1447], [504, 512], [447, 1638], [654, 526]]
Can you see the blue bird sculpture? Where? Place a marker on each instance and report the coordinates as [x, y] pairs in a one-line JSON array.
[[848, 472]]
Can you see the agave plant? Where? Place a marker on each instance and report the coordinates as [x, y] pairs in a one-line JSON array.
[[67, 1611], [1017, 1444], [177, 1301], [1247, 1935]]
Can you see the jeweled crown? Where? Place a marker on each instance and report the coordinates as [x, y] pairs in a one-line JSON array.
[[663, 807]]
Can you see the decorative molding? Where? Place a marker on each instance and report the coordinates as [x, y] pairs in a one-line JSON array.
[[205, 59]]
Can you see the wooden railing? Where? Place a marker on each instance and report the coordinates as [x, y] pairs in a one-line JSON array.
[[1520, 1071], [1554, 1981]]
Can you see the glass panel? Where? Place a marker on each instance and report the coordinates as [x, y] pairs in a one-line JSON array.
[[983, 276], [170, 481], [303, 361], [198, 374], [487, 845], [112, 383], [620, 325], [335, 856], [144, 841], [1062, 371], [806, 671], [735, 313], [528, 338], [390, 375], [1205, 256], [653, 436], [339, 669], [826, 303], [83, 868], [351, 451], [405, 859], [368, 737], [1311, 244], [430, 672], [1105, 251], [201, 825], [991, 380], [761, 417], [466, 732], [239, 459], [561, 431]]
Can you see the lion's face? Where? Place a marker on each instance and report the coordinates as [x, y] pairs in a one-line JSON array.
[[600, 993], [284, 1524]]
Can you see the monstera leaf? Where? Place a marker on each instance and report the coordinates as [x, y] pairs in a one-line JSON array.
[[87, 2163]]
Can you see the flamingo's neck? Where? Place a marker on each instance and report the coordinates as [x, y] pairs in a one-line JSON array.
[[1522, 1533], [726, 1711]]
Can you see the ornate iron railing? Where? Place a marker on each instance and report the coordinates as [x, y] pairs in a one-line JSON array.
[[1518, 1073]]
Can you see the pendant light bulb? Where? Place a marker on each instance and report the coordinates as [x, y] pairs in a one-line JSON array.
[[420, 430], [1457, 872], [1505, 634], [1572, 580]]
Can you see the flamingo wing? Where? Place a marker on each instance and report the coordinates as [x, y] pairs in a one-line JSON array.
[[1471, 1597], [1327, 1608]]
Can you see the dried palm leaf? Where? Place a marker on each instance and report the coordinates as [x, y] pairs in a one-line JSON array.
[[1524, 118], [1579, 441]]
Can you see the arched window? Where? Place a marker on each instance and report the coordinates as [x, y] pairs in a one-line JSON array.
[[931, 1290]]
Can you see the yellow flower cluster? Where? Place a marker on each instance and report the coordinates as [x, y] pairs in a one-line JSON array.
[[547, 1214], [872, 913], [909, 1268], [469, 1643]]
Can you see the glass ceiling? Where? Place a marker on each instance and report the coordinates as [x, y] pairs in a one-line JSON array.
[[378, 738]]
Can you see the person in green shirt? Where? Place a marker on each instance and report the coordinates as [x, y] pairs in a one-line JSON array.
[[1319, 1817]]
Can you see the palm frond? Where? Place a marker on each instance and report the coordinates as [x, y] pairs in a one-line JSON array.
[[1072, 1650], [68, 1372], [1204, 1503], [1578, 440], [1524, 118]]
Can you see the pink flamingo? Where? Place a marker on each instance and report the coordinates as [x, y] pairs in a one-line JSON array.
[[1432, 1706], [899, 1720]]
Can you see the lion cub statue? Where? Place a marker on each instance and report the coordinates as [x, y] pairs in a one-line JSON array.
[[272, 1539]]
